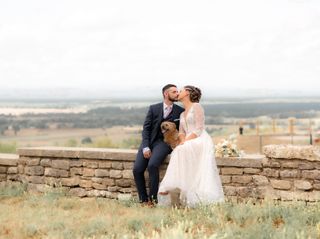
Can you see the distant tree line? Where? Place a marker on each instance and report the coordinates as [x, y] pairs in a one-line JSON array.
[[111, 116]]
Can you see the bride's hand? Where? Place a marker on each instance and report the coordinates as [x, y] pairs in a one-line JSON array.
[[182, 142]]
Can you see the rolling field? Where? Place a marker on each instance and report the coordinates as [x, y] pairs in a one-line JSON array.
[[129, 137]]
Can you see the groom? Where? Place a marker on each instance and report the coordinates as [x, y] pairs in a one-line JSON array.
[[153, 150]]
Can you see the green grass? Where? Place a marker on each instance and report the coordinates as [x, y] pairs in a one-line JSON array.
[[8, 147], [55, 215]]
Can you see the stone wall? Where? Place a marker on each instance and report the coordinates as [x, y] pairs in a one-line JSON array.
[[284, 172], [8, 167]]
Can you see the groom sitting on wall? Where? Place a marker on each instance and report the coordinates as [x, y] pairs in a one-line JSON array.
[[153, 150]]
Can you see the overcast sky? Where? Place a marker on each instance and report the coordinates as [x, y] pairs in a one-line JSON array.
[[127, 45]]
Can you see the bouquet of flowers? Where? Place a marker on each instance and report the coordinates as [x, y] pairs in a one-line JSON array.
[[227, 148]]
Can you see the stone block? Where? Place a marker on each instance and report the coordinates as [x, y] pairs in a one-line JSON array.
[[290, 164], [311, 174], [36, 179], [225, 179], [260, 192], [314, 196], [90, 164], [85, 183], [3, 169], [289, 174], [115, 173], [77, 192], [52, 181], [99, 186], [12, 170], [230, 190], [260, 180], [128, 166], [270, 172], [232, 171], [113, 188], [22, 160], [70, 182], [125, 190], [52, 172], [76, 171], [302, 185], [316, 186], [76, 163], [242, 179], [104, 164], [280, 184], [251, 170], [101, 173], [308, 152], [3, 177], [88, 172], [13, 177], [124, 182], [34, 170], [46, 162], [61, 164], [306, 166], [108, 181], [9, 161], [117, 165], [244, 192], [97, 180], [285, 195], [20, 169], [33, 161], [270, 163], [128, 174], [241, 163]]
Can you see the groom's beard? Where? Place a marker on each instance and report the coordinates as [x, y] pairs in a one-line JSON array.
[[173, 99]]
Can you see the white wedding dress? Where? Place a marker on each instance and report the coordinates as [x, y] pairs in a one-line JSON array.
[[192, 168]]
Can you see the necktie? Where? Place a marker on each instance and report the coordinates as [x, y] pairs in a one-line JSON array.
[[166, 112]]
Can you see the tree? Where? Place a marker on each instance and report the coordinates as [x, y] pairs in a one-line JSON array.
[[16, 128]]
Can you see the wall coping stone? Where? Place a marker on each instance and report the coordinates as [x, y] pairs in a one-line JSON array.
[[9, 159], [283, 151], [254, 161], [77, 153]]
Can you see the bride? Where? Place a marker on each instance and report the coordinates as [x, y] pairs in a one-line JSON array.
[[192, 168]]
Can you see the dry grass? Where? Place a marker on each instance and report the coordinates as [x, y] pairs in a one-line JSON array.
[[55, 215]]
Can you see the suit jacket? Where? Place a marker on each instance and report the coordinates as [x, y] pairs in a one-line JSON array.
[[154, 118]]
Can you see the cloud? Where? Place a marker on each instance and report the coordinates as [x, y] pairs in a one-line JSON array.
[[125, 44]]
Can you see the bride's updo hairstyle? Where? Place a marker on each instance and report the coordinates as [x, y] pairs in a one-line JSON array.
[[195, 93]]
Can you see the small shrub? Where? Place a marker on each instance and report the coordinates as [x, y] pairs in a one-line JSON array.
[[86, 140]]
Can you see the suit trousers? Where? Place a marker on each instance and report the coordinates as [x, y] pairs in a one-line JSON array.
[[159, 152]]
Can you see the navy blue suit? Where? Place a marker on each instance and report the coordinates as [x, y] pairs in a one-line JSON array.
[[153, 138]]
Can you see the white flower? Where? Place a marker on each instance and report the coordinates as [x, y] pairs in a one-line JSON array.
[[227, 148]]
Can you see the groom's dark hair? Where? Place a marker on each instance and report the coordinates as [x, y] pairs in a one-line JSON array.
[[167, 87]]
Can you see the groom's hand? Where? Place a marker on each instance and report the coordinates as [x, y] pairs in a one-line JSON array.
[[147, 154]]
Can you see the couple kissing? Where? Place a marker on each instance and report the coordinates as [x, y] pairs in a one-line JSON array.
[[192, 168]]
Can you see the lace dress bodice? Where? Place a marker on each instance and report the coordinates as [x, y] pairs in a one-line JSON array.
[[192, 121]]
